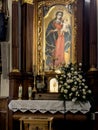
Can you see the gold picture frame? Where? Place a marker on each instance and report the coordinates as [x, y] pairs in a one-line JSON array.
[[45, 12]]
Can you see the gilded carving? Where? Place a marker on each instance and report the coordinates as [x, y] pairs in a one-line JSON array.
[[27, 1]]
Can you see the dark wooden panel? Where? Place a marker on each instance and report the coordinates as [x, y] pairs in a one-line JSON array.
[[3, 113], [15, 39], [27, 37], [79, 40], [92, 79], [15, 80], [96, 121], [93, 34], [86, 18]]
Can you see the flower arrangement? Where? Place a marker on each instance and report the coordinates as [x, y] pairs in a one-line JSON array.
[[72, 84]]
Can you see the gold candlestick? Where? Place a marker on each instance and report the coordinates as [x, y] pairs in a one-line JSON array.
[[34, 88], [34, 70], [43, 66]]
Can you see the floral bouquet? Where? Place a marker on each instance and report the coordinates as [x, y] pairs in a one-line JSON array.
[[72, 84]]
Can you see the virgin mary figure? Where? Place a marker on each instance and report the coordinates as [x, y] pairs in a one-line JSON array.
[[58, 33]]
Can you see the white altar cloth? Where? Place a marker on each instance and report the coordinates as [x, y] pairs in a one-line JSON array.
[[51, 106]]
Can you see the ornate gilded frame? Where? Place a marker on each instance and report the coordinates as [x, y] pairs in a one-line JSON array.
[[39, 28]]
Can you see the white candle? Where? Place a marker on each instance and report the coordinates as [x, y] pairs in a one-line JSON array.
[[30, 91], [20, 91]]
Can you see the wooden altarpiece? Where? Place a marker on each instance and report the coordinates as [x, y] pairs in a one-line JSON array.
[[28, 38]]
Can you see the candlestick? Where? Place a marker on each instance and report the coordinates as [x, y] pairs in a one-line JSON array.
[[34, 70], [34, 88], [43, 65]]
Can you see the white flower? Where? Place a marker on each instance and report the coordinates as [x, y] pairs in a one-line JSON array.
[[65, 90], [73, 89], [75, 72], [64, 76], [65, 84], [84, 97], [70, 94], [74, 99], [60, 86], [84, 92], [68, 86], [80, 69], [72, 84], [80, 76], [89, 91], [72, 68], [61, 82], [83, 80], [78, 79], [69, 75], [61, 78], [62, 90], [68, 81], [74, 77], [77, 93], [75, 83], [80, 64], [85, 86]]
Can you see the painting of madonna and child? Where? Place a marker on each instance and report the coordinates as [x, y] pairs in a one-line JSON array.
[[59, 45]]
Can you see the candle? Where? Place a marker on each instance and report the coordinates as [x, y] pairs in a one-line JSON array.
[[30, 92], [20, 91]]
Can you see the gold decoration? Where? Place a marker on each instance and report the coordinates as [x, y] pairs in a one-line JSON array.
[[27, 1], [15, 70], [93, 68]]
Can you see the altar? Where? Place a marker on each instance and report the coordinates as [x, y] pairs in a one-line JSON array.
[[63, 115]]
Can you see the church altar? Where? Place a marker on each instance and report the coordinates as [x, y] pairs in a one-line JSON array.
[[51, 106]]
